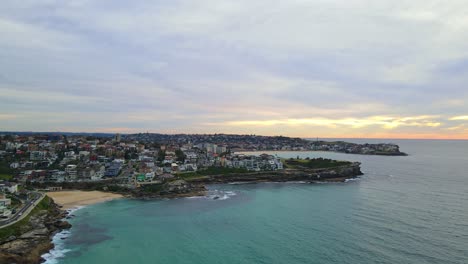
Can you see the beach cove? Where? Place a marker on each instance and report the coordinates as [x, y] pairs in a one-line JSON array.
[[70, 199], [391, 214]]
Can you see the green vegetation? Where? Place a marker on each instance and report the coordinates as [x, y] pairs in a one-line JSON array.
[[23, 226], [5, 177], [161, 155], [152, 188], [15, 201], [5, 172], [222, 170], [43, 205], [318, 163], [180, 156], [212, 171]]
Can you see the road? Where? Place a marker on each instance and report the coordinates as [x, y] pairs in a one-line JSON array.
[[24, 211]]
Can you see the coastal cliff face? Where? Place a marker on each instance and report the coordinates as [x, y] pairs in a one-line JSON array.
[[33, 237]]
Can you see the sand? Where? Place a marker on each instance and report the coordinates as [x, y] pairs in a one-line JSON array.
[[74, 199]]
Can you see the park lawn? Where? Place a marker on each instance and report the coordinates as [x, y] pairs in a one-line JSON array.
[[318, 163], [210, 171], [6, 177]]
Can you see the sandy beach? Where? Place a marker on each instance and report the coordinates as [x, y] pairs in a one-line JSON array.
[[73, 199]]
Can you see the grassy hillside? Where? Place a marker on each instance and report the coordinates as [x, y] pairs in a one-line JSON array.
[[318, 163]]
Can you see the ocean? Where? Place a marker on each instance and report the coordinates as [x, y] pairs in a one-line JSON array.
[[410, 209]]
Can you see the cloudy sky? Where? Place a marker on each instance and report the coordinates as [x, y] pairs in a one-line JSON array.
[[349, 68]]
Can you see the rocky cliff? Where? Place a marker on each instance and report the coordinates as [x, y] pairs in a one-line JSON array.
[[32, 236]]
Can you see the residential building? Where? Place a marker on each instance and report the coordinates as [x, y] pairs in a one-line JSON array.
[[8, 187]]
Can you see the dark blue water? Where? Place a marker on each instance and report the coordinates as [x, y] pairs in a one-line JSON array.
[[410, 209]]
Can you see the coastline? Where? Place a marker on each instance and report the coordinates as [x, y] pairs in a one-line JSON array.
[[70, 199], [391, 154], [32, 237]]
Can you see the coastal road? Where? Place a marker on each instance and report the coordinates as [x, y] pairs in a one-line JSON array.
[[25, 210]]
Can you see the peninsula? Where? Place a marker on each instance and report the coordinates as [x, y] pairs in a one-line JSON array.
[[83, 169]]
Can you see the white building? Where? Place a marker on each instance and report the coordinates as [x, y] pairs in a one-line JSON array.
[[84, 153], [9, 187], [150, 176], [221, 149], [71, 171], [37, 155], [4, 212]]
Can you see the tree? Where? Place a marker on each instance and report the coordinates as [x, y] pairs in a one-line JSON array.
[[161, 155], [180, 156]]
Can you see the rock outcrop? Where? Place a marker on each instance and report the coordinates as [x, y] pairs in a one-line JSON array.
[[35, 239]]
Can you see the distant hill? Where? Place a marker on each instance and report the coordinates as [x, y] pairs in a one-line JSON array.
[[30, 133]]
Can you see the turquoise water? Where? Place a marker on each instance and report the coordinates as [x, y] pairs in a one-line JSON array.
[[403, 210]]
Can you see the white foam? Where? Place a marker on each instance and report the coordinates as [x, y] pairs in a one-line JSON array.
[[215, 195], [352, 179], [221, 195], [296, 182], [195, 197], [59, 250], [74, 209]]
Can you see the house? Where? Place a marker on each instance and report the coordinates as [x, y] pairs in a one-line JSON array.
[[37, 155], [174, 167], [84, 154], [86, 174], [71, 171], [4, 201], [149, 176], [168, 159], [56, 176], [55, 188], [9, 187], [191, 167], [114, 169], [4, 212], [141, 177]]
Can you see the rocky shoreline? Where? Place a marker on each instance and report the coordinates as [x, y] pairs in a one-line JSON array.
[[197, 186], [340, 173], [35, 238]]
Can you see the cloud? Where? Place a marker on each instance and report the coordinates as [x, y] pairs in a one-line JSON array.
[[7, 117], [383, 121], [457, 118], [245, 66]]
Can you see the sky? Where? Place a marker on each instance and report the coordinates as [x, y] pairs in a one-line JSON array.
[[316, 68]]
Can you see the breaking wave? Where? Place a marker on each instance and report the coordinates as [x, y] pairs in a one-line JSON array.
[[59, 250]]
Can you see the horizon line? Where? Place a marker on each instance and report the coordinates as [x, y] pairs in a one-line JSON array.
[[303, 137]]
